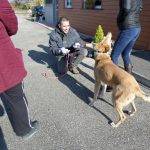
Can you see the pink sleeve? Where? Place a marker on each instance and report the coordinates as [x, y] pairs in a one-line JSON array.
[[8, 17]]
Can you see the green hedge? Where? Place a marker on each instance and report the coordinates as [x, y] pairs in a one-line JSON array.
[[21, 6]]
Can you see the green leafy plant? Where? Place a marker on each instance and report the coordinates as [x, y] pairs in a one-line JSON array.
[[99, 35], [18, 5]]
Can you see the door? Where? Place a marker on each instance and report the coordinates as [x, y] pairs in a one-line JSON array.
[[51, 12], [55, 12]]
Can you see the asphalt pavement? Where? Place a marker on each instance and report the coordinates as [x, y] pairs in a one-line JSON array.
[[61, 104]]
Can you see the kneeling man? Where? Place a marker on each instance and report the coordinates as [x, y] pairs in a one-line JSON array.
[[66, 44]]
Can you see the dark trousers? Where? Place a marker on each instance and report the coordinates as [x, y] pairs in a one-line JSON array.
[[15, 104], [124, 44], [70, 60]]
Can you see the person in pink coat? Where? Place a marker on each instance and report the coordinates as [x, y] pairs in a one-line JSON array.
[[12, 73]]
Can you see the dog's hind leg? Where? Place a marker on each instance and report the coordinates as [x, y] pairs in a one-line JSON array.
[[96, 91], [131, 113], [118, 96], [122, 117]]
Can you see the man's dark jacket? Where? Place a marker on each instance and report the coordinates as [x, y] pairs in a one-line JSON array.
[[58, 39], [129, 14]]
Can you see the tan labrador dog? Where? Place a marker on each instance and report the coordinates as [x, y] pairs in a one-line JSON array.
[[107, 73], [125, 87]]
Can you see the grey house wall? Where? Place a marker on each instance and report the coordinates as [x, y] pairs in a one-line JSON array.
[[51, 13]]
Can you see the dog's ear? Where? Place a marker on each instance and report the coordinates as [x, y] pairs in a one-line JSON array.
[[108, 38], [107, 48]]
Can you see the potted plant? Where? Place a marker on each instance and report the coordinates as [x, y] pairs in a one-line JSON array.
[[99, 35]]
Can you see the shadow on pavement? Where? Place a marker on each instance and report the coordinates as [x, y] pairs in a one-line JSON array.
[[142, 54], [77, 88], [102, 99], [86, 75], [3, 145], [39, 57], [82, 92], [109, 120], [45, 58], [87, 66]]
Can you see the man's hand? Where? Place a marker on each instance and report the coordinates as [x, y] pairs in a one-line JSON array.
[[64, 50], [76, 45], [89, 45]]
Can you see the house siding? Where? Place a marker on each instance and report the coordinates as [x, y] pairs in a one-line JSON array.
[[86, 21]]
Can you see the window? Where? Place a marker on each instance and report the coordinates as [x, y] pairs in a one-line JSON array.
[[98, 4], [68, 3], [92, 4]]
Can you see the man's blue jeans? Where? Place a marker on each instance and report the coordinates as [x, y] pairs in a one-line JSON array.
[[124, 44]]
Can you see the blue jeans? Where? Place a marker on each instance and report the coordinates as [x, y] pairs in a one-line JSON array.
[[124, 44]]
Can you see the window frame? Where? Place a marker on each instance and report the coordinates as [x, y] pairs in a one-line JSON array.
[[93, 7], [68, 6]]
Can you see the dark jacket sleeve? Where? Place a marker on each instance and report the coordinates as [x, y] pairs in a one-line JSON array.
[[8, 17], [141, 5], [126, 5], [55, 45]]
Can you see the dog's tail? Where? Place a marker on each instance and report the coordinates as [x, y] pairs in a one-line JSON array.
[[142, 95]]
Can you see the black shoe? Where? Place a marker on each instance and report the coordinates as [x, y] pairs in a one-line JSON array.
[[109, 89], [34, 129], [129, 68]]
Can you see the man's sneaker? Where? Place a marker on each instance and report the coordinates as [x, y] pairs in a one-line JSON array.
[[74, 70], [35, 128]]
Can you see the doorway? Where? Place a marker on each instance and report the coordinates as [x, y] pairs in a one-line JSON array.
[[51, 12]]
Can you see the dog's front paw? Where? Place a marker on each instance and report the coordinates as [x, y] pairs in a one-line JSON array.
[[91, 103], [101, 96], [131, 113], [113, 124]]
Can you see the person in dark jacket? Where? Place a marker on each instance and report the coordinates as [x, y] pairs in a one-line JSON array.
[[128, 21], [12, 73], [65, 42]]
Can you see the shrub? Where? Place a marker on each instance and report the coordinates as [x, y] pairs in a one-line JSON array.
[[99, 35]]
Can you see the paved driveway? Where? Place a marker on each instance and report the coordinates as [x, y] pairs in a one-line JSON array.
[[60, 104]]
